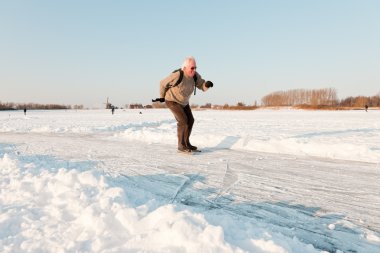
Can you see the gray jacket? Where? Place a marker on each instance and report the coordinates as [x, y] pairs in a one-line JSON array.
[[182, 92]]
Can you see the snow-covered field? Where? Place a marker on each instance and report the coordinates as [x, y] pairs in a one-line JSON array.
[[267, 181]]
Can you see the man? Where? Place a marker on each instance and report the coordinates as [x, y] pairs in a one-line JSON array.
[[175, 91]]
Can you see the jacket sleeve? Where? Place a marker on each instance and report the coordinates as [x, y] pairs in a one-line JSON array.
[[200, 84], [167, 83]]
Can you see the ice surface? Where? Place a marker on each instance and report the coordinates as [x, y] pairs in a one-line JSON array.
[[266, 181]]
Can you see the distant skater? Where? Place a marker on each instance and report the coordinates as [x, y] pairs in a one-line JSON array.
[[175, 91], [366, 108], [25, 111], [113, 110]]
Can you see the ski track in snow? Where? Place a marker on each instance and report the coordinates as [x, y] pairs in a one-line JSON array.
[[297, 196]]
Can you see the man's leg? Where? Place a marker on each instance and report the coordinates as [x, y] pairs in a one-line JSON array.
[[190, 123], [182, 126]]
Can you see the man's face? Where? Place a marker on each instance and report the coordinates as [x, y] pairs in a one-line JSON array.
[[190, 69]]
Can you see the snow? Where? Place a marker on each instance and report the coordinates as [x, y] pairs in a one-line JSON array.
[[266, 181]]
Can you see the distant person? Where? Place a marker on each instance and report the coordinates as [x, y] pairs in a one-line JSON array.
[[25, 111], [113, 110], [366, 108], [175, 91]]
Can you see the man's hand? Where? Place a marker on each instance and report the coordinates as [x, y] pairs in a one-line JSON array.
[[209, 84], [158, 100]]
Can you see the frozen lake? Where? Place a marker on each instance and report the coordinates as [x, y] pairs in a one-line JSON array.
[[266, 181]]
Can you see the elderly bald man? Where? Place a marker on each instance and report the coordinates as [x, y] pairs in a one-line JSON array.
[[176, 90]]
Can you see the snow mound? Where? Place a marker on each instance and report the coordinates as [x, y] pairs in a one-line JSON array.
[[72, 210]]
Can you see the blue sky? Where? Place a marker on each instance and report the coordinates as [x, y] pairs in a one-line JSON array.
[[81, 52]]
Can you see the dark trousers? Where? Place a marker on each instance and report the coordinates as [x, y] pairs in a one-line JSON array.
[[185, 121]]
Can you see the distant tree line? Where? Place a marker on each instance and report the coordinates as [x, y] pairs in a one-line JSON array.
[[238, 106], [34, 106], [360, 101], [317, 98], [135, 106], [301, 97]]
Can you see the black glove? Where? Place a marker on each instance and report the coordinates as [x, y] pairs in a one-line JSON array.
[[209, 84], [161, 100]]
